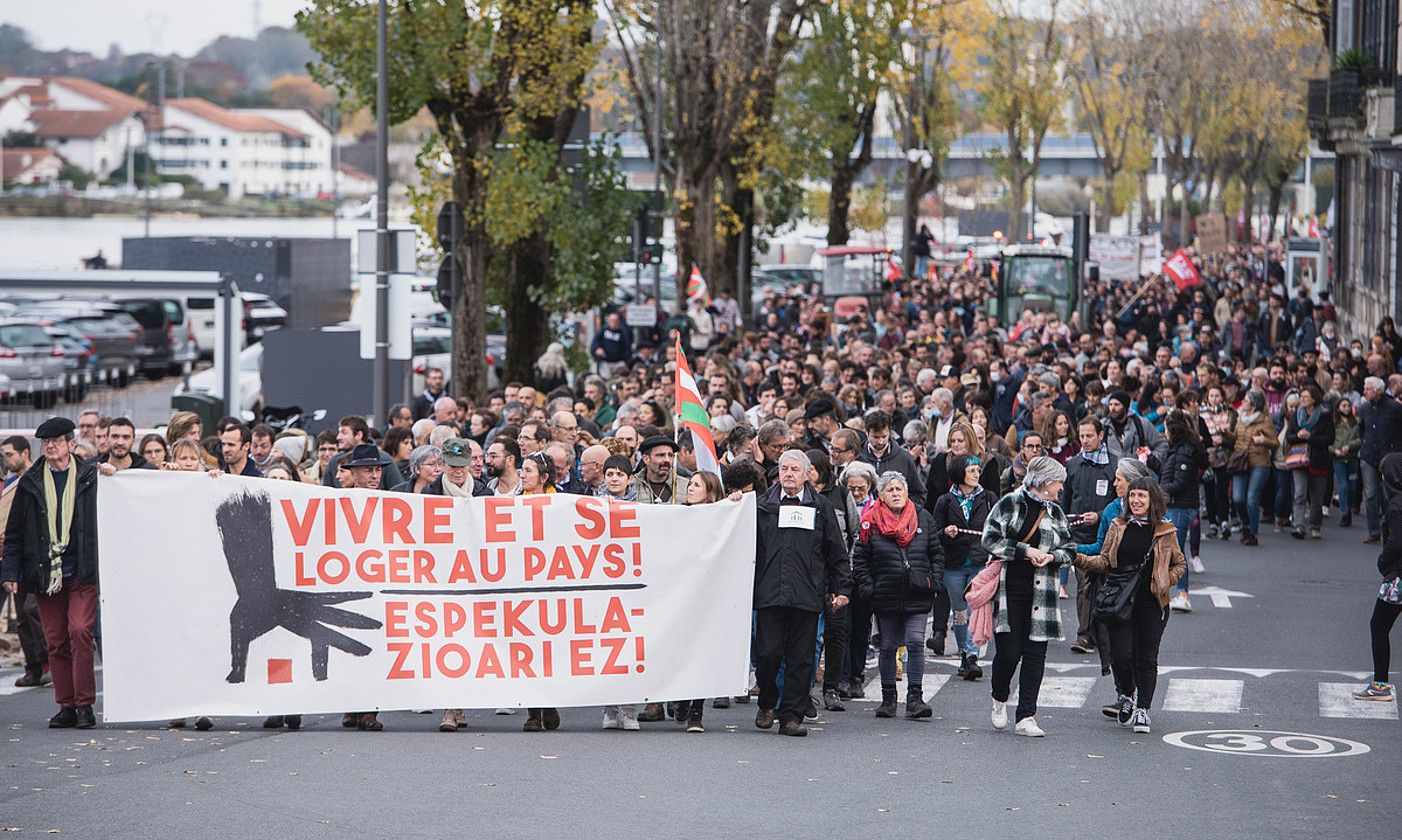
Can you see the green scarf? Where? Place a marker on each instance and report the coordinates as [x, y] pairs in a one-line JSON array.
[[60, 522]]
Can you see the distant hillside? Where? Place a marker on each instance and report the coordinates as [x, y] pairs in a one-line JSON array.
[[229, 69]]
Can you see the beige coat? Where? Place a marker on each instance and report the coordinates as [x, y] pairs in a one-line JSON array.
[[1169, 564]]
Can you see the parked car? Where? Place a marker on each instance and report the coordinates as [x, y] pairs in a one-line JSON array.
[[433, 347], [111, 336], [32, 360], [167, 343], [250, 376], [201, 309], [261, 314], [80, 362]]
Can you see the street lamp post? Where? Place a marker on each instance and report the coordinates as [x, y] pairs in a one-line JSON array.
[[381, 367]]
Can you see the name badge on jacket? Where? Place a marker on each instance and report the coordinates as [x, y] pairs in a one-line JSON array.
[[797, 516]]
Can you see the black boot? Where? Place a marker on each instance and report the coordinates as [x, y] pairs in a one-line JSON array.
[[936, 643], [887, 708], [915, 706], [85, 717], [67, 718], [970, 667]]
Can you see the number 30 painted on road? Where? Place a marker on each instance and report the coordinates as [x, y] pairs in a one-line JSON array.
[[1267, 743]]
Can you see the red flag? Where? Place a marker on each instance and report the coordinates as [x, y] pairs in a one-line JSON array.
[[1181, 271], [893, 271]]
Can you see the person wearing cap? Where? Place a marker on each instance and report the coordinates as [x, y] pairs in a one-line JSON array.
[[822, 418], [456, 479], [51, 546], [659, 482], [1127, 433], [365, 464]]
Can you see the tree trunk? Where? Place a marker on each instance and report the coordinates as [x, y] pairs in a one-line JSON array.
[[1016, 197], [470, 304], [1276, 194], [1146, 205], [1248, 206], [840, 203], [1107, 196], [529, 331], [1183, 215], [910, 214], [740, 202]]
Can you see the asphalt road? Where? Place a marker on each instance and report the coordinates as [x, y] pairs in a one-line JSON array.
[[1275, 661]]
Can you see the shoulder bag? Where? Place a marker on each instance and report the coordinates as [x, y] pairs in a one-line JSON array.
[[1114, 598], [918, 581]]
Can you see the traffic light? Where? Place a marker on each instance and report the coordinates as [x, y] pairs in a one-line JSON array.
[[449, 234]]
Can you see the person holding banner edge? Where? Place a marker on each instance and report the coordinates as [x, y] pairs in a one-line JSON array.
[[365, 464], [51, 543], [537, 477]]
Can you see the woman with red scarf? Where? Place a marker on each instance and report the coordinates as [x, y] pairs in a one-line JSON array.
[[898, 566]]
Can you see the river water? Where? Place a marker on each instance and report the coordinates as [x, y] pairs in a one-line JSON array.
[[62, 243]]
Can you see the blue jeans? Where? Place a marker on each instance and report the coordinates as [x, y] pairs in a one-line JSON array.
[[1182, 519], [1246, 495], [1372, 498], [1284, 497], [954, 582], [1344, 482]]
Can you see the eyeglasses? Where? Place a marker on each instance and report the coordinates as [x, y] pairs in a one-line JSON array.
[[1037, 446]]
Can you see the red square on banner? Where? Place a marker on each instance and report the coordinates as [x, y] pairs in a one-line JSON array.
[[279, 671]]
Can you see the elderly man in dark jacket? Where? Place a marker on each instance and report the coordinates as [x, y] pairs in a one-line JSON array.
[[51, 545], [801, 568]]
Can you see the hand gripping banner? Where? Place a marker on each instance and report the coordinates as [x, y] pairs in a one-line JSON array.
[[239, 596]]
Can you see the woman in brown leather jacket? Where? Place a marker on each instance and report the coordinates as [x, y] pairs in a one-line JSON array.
[[1139, 537]]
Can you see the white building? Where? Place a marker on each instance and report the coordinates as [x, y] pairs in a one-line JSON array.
[[29, 166], [273, 152], [91, 125]]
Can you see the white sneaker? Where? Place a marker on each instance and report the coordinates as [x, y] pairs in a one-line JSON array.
[[1000, 715], [1180, 603], [629, 718], [506, 711], [1140, 721], [1028, 727], [611, 720], [1195, 563]]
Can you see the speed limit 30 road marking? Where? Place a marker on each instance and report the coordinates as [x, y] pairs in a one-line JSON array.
[[1266, 743]]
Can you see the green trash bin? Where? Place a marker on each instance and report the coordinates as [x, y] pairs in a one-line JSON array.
[[209, 408]]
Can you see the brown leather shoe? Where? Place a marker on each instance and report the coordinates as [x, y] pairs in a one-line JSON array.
[[551, 718], [793, 728], [651, 713], [370, 722], [350, 720], [452, 719], [765, 719], [532, 724]]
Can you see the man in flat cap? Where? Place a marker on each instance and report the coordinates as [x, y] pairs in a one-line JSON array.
[[659, 482], [51, 545], [823, 420]]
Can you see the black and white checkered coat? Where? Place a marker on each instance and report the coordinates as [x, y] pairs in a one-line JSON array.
[[1010, 514]]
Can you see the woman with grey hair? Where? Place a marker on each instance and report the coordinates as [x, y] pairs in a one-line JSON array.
[[1029, 533], [425, 465], [898, 566]]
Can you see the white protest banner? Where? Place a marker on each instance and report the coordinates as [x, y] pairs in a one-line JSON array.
[[1118, 256], [1150, 254], [239, 596]]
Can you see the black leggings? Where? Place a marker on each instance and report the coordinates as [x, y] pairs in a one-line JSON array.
[[1384, 616], [1013, 648], [1134, 649]]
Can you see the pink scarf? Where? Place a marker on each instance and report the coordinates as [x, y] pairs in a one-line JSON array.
[[980, 594]]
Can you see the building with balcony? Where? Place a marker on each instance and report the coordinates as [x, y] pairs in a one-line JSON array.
[[257, 151], [1352, 112]]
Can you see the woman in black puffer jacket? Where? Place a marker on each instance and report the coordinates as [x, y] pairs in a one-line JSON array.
[[958, 518], [898, 567], [1180, 475]]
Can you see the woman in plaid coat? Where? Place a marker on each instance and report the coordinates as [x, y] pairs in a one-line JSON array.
[[1028, 532]]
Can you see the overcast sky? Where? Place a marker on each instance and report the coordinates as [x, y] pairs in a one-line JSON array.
[[179, 26]]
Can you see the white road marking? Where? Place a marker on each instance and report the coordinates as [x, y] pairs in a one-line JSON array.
[[1220, 597], [1336, 701], [1186, 695], [1061, 692]]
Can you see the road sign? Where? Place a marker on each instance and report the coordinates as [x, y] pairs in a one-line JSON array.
[[402, 256]]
